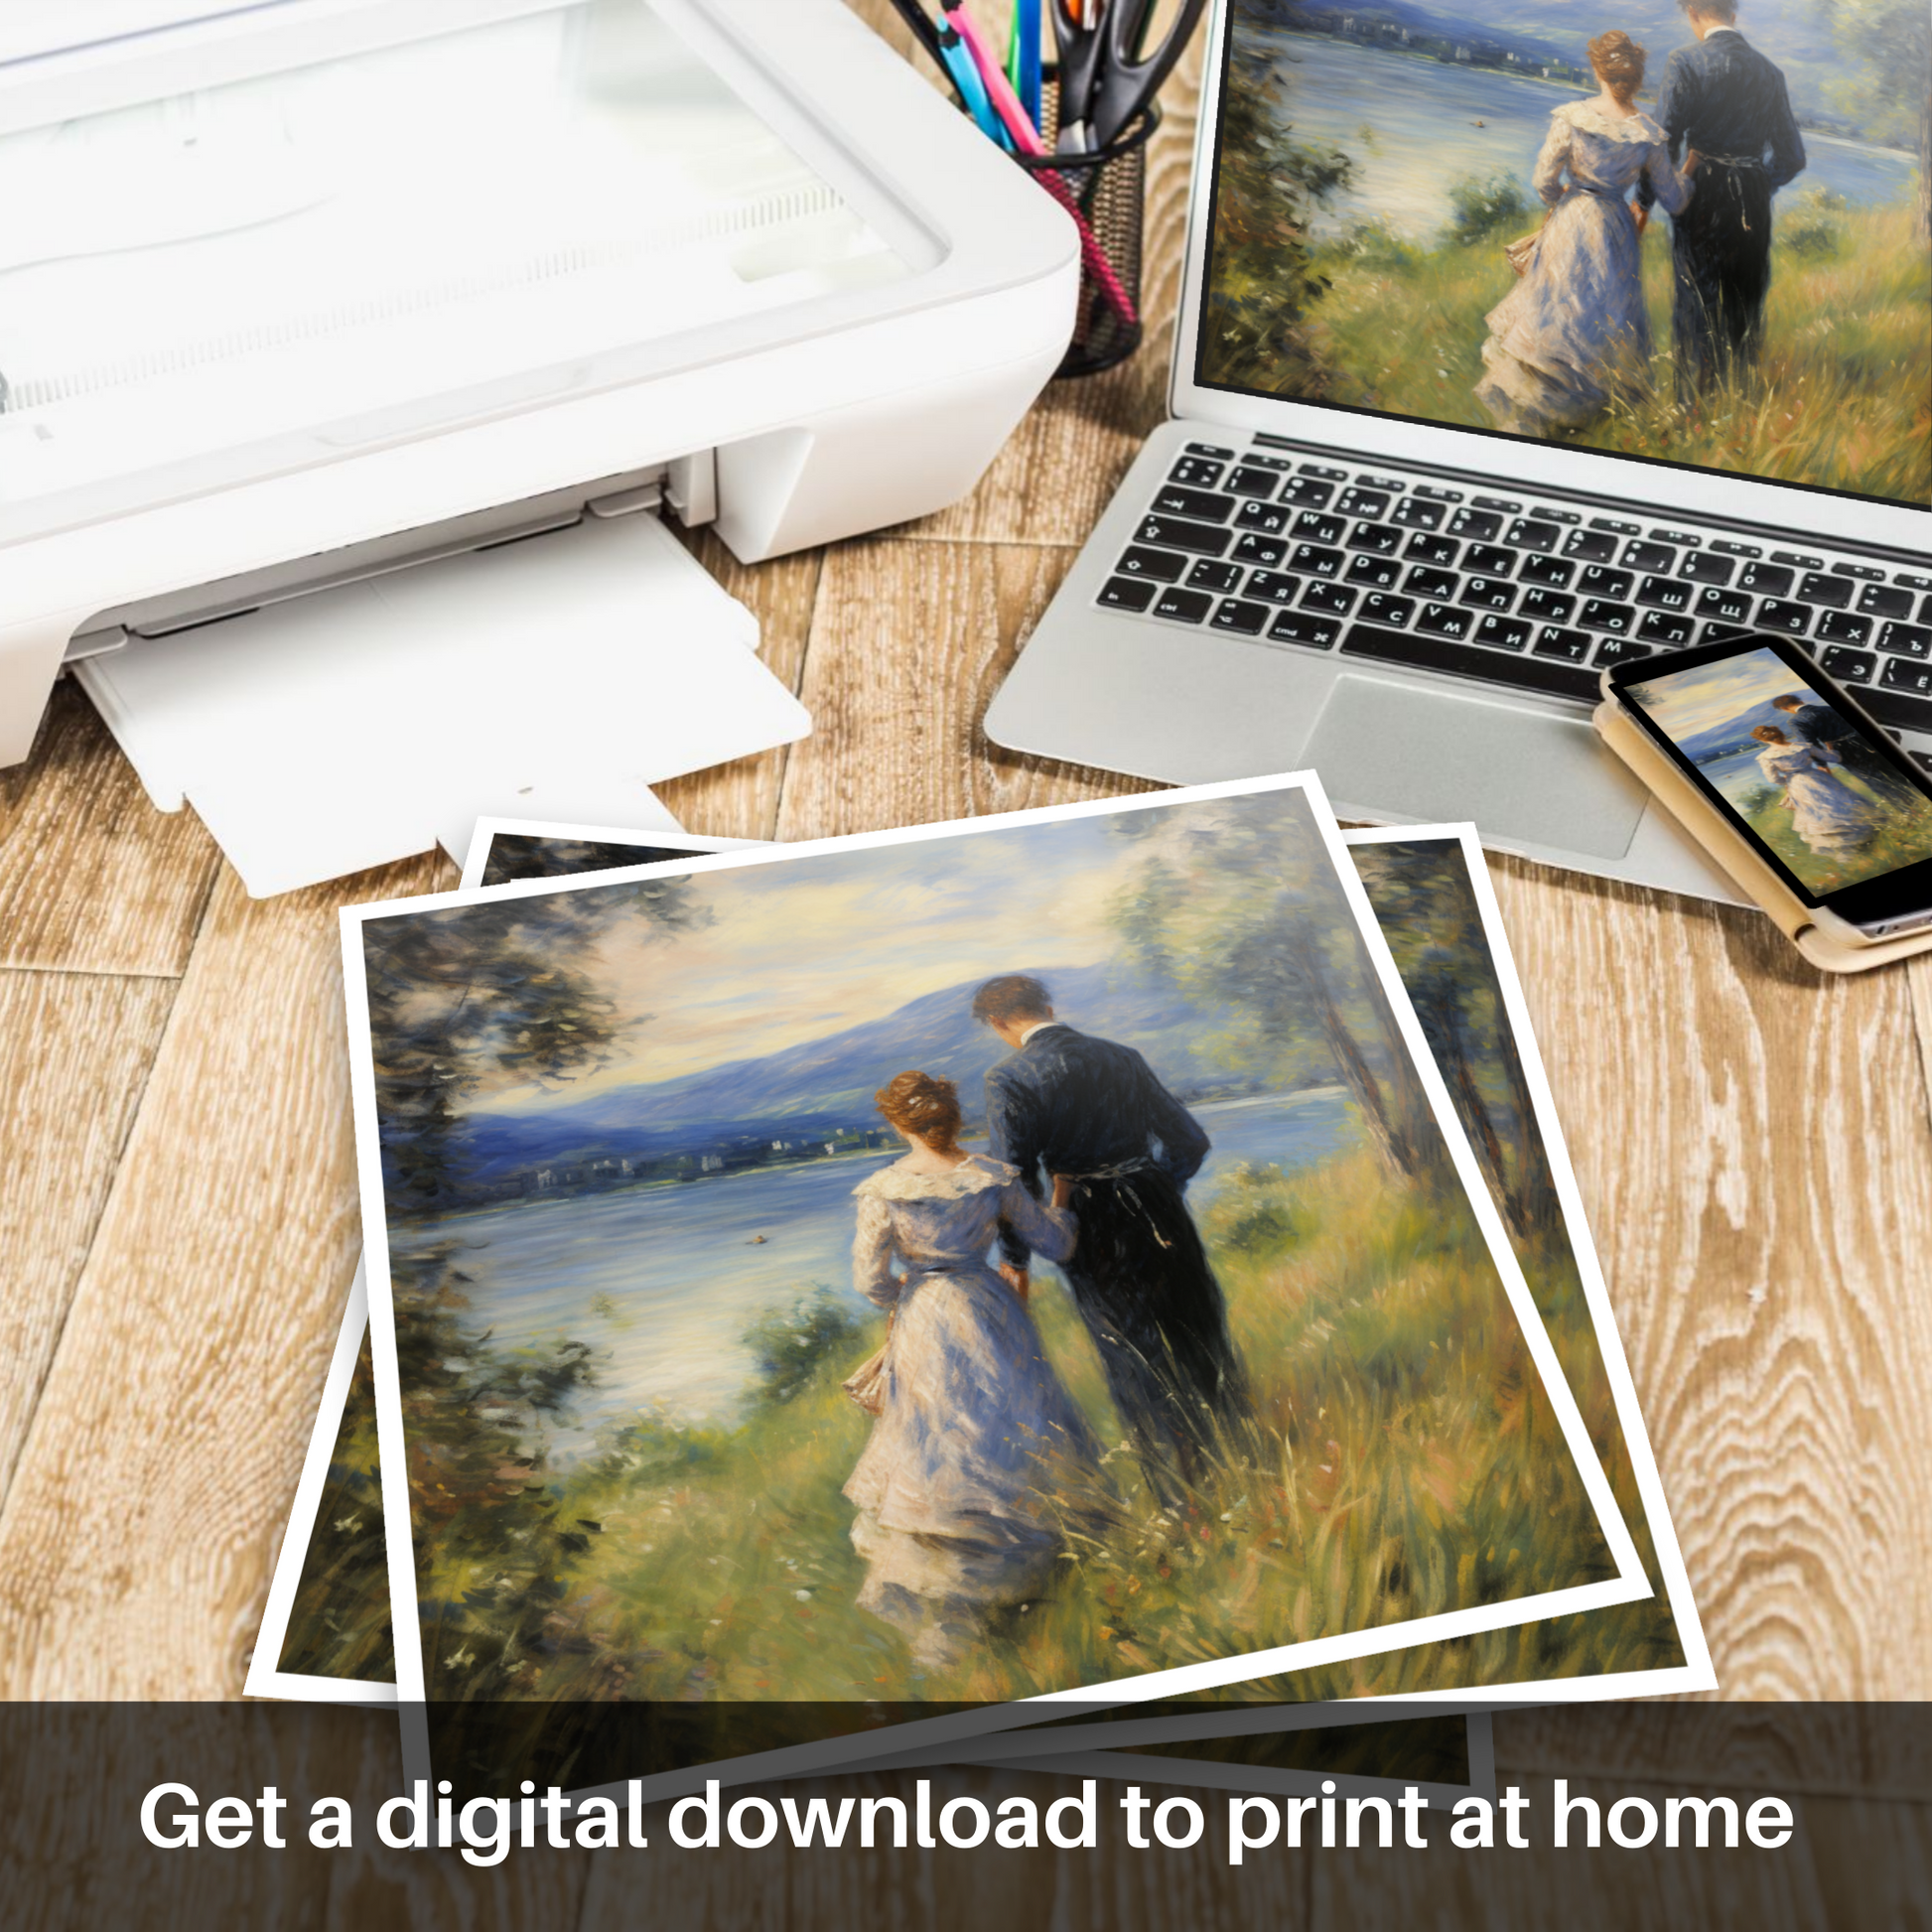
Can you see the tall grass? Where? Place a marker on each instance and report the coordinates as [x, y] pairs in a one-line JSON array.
[[1407, 1463], [1843, 397]]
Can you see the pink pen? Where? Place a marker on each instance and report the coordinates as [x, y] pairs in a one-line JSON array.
[[1026, 138]]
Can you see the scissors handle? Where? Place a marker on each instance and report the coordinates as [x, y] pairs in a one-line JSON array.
[[1127, 77]]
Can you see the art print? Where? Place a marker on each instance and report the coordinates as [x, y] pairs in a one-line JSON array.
[[681, 1417], [1697, 232]]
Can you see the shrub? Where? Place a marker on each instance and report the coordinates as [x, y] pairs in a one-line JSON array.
[[789, 1344], [1487, 208], [1811, 227]]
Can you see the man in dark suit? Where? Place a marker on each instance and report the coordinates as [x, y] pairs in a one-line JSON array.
[[1094, 1111], [1811, 722], [1723, 100]]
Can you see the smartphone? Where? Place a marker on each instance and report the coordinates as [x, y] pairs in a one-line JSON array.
[[1793, 763]]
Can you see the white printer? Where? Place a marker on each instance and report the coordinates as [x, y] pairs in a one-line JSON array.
[[310, 309]]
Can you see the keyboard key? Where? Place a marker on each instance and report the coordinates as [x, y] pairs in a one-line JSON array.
[[1618, 650], [1210, 449], [1281, 465], [1172, 500], [1249, 619], [1455, 497], [1390, 484], [1432, 583], [1599, 614], [1833, 593], [1502, 634], [1382, 538], [1907, 640], [1488, 560], [1416, 513], [1247, 481], [1526, 533], [1208, 574], [1684, 537], [1275, 586], [1445, 621], [1925, 612], [1175, 533], [1767, 580], [1480, 524], [1724, 607], [1865, 573], [1911, 580], [1615, 527], [1379, 573], [1363, 502], [1665, 628], [1306, 493], [1796, 560], [1902, 674], [1162, 565], [1394, 612], [1436, 654], [1553, 516], [1271, 519], [1328, 596], [1780, 614], [1571, 645], [1298, 628], [1731, 549], [1314, 561], [1875, 600], [1649, 556], [1848, 667], [1895, 708], [1841, 627], [1183, 607], [1507, 505], [1323, 469], [1664, 594], [1592, 546], [1196, 472], [1599, 582], [1486, 593], [1315, 528], [1424, 549], [1705, 569], [1552, 571], [1253, 549], [1127, 593], [1546, 606]]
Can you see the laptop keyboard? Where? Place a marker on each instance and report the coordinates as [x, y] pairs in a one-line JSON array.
[[1527, 594]]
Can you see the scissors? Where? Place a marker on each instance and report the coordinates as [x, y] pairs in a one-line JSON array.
[[1107, 76]]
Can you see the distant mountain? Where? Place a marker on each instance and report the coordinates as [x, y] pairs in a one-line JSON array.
[[829, 1083]]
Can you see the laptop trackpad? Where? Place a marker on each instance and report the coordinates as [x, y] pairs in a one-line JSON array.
[[1384, 746]]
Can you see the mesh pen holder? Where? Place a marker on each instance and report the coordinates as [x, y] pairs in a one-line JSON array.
[[1104, 192]]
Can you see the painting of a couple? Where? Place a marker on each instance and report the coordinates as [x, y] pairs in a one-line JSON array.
[[976, 1434], [1573, 333]]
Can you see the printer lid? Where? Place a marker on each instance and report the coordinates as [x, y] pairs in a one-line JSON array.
[[243, 238]]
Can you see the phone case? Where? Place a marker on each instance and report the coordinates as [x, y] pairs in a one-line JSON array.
[[1733, 853]]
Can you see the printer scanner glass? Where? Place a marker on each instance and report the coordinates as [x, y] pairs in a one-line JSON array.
[[203, 288]]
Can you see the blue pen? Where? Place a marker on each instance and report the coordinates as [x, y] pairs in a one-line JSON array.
[[972, 89], [1025, 77]]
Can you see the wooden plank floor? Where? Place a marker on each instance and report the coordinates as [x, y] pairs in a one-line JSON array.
[[1754, 1142]]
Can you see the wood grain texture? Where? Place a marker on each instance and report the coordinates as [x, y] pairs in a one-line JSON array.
[[909, 642], [148, 1497], [1752, 1143], [93, 879], [1848, 1868], [740, 800], [75, 1054]]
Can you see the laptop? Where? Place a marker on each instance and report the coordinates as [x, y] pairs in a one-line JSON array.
[[1337, 554]]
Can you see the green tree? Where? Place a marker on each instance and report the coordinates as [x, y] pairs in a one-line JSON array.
[[1241, 910], [1260, 284], [1891, 94]]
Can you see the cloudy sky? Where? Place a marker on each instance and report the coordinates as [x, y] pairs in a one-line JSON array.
[[800, 950], [1689, 702]]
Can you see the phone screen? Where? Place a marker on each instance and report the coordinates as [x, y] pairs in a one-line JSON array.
[[1786, 756]]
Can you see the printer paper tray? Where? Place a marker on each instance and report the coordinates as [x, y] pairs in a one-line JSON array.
[[556, 677]]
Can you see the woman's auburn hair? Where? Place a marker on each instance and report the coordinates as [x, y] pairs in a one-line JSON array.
[[924, 1104], [1618, 62], [1769, 734]]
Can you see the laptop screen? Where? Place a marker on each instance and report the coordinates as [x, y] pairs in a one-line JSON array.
[[1698, 237]]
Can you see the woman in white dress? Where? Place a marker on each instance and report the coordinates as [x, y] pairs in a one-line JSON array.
[[979, 1459], [1831, 818], [1574, 332]]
